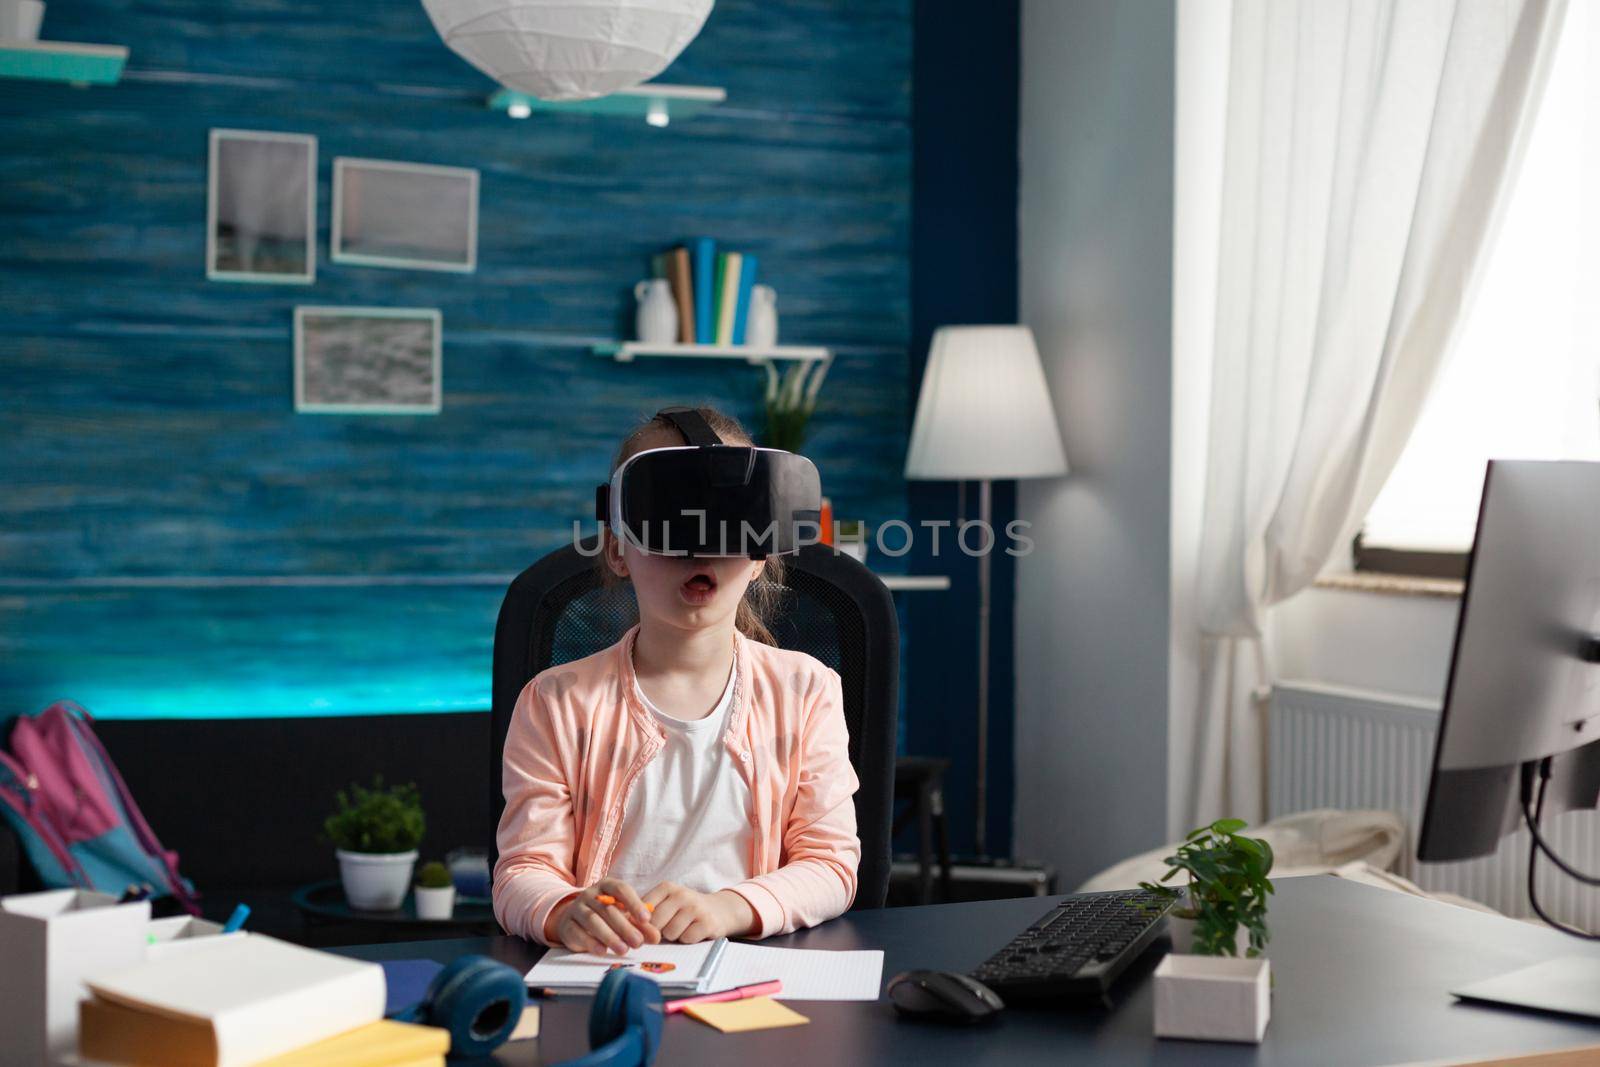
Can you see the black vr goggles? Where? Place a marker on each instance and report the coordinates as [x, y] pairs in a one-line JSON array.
[[707, 498]]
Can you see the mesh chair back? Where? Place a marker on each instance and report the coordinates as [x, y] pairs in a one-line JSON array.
[[831, 607]]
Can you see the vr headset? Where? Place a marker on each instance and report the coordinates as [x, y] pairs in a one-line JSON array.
[[707, 498]]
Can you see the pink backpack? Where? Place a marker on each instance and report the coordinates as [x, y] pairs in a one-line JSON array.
[[74, 815]]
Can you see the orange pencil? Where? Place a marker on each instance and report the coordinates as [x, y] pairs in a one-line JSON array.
[[607, 898]]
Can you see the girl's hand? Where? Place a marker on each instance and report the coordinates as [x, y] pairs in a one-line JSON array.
[[584, 924], [687, 916]]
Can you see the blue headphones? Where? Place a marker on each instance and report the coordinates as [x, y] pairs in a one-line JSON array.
[[477, 999], [624, 1024]]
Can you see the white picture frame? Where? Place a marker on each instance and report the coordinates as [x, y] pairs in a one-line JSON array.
[[415, 216], [368, 360], [261, 207]]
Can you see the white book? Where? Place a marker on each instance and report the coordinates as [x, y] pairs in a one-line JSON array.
[[728, 299], [261, 996], [677, 968], [712, 966]]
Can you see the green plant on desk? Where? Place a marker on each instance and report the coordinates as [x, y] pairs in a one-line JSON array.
[[1228, 887], [434, 875], [376, 820]]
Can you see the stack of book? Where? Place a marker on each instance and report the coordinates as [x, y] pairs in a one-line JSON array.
[[250, 999], [711, 289]]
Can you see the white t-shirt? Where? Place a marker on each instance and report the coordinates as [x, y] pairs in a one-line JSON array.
[[688, 816]]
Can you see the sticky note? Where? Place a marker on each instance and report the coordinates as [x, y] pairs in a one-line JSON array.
[[754, 1013]]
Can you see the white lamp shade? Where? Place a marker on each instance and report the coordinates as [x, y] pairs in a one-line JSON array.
[[985, 410], [568, 49]]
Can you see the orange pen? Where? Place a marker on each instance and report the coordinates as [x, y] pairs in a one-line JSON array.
[[607, 898]]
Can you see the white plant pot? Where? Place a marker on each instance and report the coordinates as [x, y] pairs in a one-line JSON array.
[[436, 903], [855, 549], [1213, 998], [375, 881]]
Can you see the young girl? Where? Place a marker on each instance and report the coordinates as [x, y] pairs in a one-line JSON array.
[[690, 782]]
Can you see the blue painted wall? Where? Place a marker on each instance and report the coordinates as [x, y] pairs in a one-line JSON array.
[[963, 270], [175, 540]]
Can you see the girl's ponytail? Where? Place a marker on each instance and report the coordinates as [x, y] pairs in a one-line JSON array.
[[759, 603]]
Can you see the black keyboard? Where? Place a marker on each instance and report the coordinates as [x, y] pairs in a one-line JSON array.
[[1079, 948]]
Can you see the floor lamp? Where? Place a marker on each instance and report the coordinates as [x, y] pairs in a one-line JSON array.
[[984, 413]]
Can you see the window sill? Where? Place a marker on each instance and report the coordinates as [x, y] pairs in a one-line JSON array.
[[1393, 584]]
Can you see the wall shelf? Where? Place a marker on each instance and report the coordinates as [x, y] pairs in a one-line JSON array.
[[656, 103], [916, 583], [627, 351], [63, 61]]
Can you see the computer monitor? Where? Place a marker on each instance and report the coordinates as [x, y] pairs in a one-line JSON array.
[[1519, 738], [1525, 676]]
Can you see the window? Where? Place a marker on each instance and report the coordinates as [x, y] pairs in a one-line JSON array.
[[1524, 380]]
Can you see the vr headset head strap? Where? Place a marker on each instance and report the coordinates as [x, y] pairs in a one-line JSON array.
[[697, 433], [693, 425]]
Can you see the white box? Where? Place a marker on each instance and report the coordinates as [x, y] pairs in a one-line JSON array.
[[180, 933], [1213, 998], [51, 942]]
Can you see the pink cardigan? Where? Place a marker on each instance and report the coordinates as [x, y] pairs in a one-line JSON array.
[[579, 739]]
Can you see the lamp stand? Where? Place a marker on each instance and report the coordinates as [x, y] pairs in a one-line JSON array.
[[985, 513]]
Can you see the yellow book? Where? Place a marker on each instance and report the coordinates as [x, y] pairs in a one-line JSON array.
[[115, 1033], [245, 999], [380, 1044]]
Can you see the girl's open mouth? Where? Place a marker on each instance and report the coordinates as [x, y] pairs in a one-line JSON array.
[[699, 587]]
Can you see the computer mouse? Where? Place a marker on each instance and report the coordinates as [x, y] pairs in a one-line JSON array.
[[943, 996]]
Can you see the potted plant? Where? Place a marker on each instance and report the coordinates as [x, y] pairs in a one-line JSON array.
[[375, 833], [435, 892], [853, 539], [1216, 985], [790, 400]]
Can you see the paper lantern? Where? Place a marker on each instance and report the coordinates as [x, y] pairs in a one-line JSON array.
[[568, 49]]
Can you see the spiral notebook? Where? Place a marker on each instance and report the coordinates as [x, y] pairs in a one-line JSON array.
[[806, 974]]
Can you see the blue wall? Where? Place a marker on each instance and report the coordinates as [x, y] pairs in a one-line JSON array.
[[963, 270], [175, 540]]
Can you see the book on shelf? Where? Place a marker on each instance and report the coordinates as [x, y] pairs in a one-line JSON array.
[[741, 314], [237, 1001], [681, 279], [728, 268], [705, 266]]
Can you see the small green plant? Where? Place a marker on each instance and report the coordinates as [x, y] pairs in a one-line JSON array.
[[791, 397], [377, 820], [434, 875], [1228, 887]]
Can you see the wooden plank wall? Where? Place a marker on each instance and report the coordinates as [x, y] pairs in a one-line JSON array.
[[175, 540]]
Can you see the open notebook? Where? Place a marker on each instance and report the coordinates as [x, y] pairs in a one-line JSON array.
[[806, 974]]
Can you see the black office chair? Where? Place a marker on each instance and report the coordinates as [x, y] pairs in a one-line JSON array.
[[833, 608]]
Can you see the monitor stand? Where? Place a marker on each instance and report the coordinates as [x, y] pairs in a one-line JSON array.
[[1569, 985]]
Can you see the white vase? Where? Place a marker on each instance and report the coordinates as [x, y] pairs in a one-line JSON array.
[[657, 318], [20, 19], [375, 881], [761, 322], [435, 903]]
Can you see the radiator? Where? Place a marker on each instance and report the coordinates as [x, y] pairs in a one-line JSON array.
[[1345, 748]]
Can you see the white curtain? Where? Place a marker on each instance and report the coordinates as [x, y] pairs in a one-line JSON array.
[[1370, 145]]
